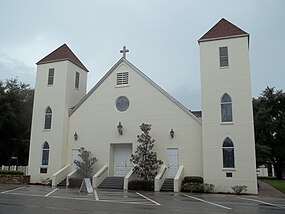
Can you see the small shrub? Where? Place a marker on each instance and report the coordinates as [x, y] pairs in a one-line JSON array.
[[209, 188], [141, 185], [75, 182], [192, 187], [11, 172], [238, 189], [193, 179], [197, 187]]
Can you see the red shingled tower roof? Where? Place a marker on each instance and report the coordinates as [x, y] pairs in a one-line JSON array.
[[60, 54], [223, 29]]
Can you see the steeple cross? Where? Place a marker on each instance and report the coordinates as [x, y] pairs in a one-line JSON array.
[[124, 51]]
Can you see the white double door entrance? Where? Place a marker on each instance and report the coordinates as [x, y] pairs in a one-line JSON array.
[[122, 156]]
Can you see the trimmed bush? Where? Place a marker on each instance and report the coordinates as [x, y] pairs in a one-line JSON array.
[[193, 179], [238, 189], [11, 172], [195, 184], [192, 187], [209, 188], [197, 187], [75, 182], [141, 185]]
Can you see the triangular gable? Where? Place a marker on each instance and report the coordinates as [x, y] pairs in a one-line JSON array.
[[177, 103], [60, 54], [223, 29]]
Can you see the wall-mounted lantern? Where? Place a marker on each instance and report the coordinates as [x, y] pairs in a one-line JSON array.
[[171, 133], [120, 128], [75, 136]]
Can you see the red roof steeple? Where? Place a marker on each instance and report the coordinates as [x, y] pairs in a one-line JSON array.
[[60, 54], [223, 29]]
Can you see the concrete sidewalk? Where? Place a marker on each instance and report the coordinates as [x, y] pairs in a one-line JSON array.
[[268, 191]]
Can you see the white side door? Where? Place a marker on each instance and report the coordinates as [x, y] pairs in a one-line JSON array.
[[74, 156], [173, 162]]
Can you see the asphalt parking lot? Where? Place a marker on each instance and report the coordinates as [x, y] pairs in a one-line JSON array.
[[43, 199]]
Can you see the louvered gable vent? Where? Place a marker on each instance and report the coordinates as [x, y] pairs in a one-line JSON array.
[[123, 78]]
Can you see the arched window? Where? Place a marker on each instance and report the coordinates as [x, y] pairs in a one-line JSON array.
[[45, 154], [228, 154], [48, 116], [226, 108]]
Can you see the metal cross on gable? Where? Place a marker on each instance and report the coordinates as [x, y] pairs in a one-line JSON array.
[[124, 51]]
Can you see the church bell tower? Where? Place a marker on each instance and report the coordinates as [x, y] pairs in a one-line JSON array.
[[227, 122], [60, 84]]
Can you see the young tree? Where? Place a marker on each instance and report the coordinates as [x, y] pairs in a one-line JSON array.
[[269, 124], [145, 160], [16, 105], [86, 165]]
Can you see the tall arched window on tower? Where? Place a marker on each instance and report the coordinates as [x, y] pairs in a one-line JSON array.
[[226, 108], [45, 154], [48, 117], [228, 153]]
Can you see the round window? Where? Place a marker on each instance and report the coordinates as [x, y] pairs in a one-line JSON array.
[[122, 103]]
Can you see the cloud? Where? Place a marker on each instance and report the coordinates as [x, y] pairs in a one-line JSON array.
[[190, 98], [12, 68], [161, 36]]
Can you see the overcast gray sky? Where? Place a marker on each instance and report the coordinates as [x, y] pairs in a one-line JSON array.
[[160, 34]]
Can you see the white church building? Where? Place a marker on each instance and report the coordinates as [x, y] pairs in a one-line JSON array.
[[217, 144]]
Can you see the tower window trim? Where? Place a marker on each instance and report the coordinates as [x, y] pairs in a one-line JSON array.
[[48, 118], [228, 153], [77, 75], [224, 57], [226, 109], [45, 154], [50, 76]]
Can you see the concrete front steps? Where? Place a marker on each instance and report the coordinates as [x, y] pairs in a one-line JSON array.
[[118, 183], [112, 183], [168, 185], [62, 183]]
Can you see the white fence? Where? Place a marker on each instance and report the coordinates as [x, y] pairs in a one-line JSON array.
[[23, 169]]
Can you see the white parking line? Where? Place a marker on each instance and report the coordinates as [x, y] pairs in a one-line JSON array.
[[17, 193], [51, 192], [148, 199], [129, 202], [12, 190], [208, 202], [96, 195], [263, 202]]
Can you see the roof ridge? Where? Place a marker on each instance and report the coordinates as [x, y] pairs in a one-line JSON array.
[[62, 53]]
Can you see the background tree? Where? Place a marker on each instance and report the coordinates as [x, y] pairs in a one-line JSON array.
[[269, 123], [145, 160], [263, 154], [86, 165], [16, 106]]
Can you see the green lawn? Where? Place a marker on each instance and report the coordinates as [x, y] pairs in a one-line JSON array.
[[277, 184]]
